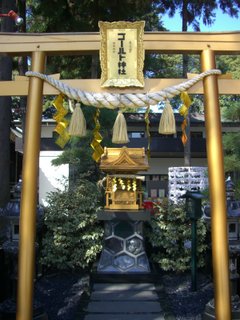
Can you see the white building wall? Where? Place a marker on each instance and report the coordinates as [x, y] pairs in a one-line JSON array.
[[50, 176]]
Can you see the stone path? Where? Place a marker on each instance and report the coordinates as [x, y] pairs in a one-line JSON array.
[[124, 301]]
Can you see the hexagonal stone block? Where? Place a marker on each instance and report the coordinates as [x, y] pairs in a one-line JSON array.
[[106, 260], [124, 229], [142, 261], [134, 245], [139, 228], [108, 229], [123, 261], [115, 245]]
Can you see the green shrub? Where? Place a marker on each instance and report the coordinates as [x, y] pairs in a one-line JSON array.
[[169, 235], [73, 236]]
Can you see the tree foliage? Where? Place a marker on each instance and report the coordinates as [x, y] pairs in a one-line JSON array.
[[231, 141], [78, 15], [230, 106], [6, 25], [83, 16], [170, 234], [73, 236], [78, 152], [192, 12]]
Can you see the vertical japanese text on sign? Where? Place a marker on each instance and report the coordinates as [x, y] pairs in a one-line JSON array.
[[122, 54]]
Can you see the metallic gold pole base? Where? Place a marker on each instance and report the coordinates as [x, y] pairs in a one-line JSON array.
[[217, 191], [29, 193]]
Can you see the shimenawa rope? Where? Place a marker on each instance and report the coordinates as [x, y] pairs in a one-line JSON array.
[[112, 100]]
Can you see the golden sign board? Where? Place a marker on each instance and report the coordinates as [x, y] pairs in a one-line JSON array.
[[122, 54]]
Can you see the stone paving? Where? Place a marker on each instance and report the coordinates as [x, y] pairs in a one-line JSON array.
[[124, 301]]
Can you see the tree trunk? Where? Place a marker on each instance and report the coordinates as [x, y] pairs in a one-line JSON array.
[[7, 25], [187, 147], [22, 63]]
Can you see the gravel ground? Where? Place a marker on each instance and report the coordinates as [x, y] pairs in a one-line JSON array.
[[183, 302], [60, 294]]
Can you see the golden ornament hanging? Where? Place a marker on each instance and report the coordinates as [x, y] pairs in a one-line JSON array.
[[183, 110], [62, 123], [97, 138]]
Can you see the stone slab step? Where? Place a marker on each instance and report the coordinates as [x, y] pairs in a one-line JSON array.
[[123, 307], [108, 295], [124, 317], [123, 301], [123, 287], [123, 278]]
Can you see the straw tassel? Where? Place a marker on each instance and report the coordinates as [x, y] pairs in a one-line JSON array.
[[120, 134], [77, 126], [167, 123]]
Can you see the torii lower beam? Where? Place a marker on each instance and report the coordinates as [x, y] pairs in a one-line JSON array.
[[19, 86]]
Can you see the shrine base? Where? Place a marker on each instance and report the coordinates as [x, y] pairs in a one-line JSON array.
[[123, 250]]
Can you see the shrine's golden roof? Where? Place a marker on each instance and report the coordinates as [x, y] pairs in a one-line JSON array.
[[124, 160]]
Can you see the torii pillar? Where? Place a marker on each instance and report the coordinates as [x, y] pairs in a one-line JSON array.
[[26, 261], [217, 191]]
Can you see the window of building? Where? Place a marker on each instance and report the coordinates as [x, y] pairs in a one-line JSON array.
[[136, 134], [157, 177]]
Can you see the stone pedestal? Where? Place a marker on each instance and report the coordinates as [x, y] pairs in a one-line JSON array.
[[209, 312], [8, 307], [123, 250]]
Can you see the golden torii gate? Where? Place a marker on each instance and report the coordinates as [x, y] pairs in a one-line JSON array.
[[39, 46]]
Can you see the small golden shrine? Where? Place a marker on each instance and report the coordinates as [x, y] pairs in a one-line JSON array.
[[123, 186]]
